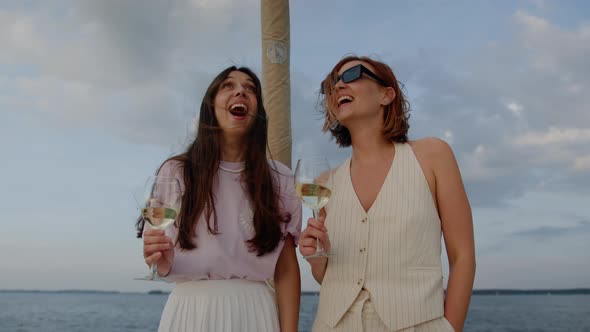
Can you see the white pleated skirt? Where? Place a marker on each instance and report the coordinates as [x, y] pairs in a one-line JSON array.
[[220, 305]]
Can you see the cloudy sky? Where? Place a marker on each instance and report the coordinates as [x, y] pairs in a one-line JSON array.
[[95, 94]]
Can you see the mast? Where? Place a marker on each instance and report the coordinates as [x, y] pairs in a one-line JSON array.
[[276, 80]]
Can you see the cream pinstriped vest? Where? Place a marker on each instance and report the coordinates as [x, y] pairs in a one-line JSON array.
[[393, 250]]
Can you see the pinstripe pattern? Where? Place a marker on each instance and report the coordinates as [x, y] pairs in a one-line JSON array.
[[362, 317], [393, 250]]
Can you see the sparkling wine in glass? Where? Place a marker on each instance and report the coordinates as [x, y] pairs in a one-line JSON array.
[[161, 206], [313, 184]]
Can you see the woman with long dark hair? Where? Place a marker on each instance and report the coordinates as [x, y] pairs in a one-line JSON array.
[[238, 225]]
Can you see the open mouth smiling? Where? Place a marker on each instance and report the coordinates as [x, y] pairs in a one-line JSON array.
[[238, 110], [344, 100]]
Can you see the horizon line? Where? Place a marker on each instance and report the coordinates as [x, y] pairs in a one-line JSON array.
[[475, 290]]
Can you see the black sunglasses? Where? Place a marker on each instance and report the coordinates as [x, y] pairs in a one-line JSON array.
[[354, 73]]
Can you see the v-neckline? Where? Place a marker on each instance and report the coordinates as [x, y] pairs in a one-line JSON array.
[[358, 200]]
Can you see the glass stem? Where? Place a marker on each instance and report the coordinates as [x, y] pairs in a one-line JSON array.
[[154, 270], [318, 247]]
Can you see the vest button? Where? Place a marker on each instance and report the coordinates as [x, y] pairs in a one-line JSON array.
[[364, 220], [362, 250]]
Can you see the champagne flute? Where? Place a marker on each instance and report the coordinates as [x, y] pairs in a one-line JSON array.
[[161, 206], [313, 184]]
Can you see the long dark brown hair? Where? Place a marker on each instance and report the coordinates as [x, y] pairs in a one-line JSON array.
[[396, 114], [200, 163]]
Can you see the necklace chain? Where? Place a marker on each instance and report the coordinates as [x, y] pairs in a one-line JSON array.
[[239, 170]]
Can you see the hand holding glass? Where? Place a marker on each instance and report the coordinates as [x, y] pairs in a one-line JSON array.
[[162, 201], [313, 184]]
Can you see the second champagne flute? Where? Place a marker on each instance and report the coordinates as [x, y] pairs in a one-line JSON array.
[[313, 184], [162, 204]]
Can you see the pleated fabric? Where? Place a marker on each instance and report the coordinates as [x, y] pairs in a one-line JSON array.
[[220, 306]]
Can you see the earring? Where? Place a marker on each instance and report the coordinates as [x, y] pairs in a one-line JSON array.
[[335, 125]]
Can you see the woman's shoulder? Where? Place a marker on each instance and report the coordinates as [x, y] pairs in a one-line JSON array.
[[279, 167], [172, 166], [431, 147], [282, 176], [433, 153]]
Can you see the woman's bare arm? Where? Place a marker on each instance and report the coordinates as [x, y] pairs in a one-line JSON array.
[[457, 225], [288, 286]]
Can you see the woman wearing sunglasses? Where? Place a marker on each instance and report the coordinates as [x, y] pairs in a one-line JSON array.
[[392, 201], [238, 224]]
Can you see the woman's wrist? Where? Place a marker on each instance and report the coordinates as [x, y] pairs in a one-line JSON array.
[[317, 261]]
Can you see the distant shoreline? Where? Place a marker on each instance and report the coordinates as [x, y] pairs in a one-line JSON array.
[[572, 291], [568, 291], [63, 291]]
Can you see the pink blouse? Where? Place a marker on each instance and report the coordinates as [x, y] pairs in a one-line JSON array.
[[226, 255]]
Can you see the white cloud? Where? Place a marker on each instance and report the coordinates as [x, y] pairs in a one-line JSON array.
[[108, 61], [534, 23], [516, 111], [554, 136], [448, 136], [522, 99], [582, 163], [515, 108], [19, 37], [542, 4], [474, 165], [212, 5]]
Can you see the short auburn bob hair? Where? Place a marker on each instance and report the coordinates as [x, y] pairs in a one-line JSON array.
[[395, 115]]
